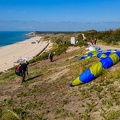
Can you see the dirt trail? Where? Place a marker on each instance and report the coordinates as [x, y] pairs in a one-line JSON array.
[[7, 89], [105, 47]]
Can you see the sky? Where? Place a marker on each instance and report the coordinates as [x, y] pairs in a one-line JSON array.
[[59, 15]]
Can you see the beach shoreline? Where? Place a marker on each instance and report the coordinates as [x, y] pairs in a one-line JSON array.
[[27, 49]]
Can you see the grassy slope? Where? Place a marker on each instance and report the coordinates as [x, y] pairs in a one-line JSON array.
[[47, 95]]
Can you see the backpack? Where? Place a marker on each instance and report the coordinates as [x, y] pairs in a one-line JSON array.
[[18, 70]]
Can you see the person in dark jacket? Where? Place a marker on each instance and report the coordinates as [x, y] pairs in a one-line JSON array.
[[51, 56], [24, 70]]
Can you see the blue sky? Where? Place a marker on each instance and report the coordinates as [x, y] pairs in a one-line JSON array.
[[59, 15]]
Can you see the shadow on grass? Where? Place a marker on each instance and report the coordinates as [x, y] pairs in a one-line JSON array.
[[31, 78]]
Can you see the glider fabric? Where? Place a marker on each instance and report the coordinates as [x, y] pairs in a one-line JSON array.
[[95, 70]]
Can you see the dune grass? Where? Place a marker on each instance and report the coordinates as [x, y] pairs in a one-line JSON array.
[[47, 96]]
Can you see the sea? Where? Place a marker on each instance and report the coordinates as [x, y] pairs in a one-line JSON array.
[[11, 37]]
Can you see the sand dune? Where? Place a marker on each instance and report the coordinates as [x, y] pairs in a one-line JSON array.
[[25, 49]]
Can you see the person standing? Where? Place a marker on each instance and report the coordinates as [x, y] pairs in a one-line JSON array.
[[91, 40], [95, 40], [51, 56]]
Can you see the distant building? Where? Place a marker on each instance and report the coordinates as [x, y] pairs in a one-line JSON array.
[[72, 40]]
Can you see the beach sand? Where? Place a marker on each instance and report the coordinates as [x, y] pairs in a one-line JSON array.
[[9, 55]]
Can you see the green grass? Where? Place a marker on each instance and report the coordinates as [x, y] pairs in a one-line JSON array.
[[43, 98]]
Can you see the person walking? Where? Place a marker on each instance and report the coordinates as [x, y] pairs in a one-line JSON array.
[[22, 70]]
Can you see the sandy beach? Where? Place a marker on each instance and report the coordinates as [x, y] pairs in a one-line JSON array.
[[11, 54]]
